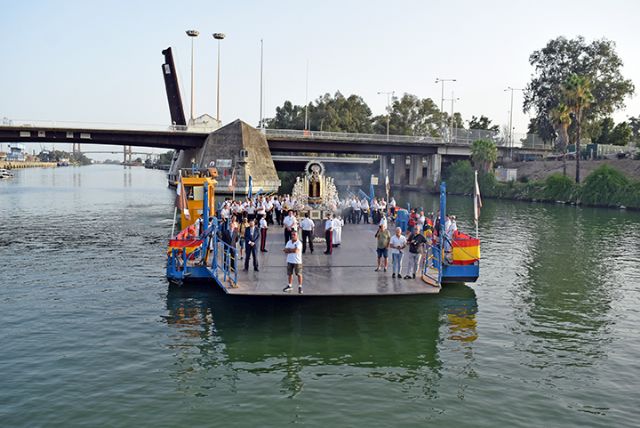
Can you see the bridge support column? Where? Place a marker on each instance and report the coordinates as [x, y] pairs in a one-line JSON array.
[[384, 166], [415, 169], [399, 169], [434, 168]]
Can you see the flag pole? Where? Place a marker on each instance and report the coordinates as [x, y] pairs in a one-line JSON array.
[[476, 195]]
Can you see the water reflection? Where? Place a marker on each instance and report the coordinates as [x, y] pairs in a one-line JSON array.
[[566, 293], [126, 177], [395, 339]]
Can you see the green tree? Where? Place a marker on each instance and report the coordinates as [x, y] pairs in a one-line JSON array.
[[561, 119], [578, 97], [543, 128], [605, 126], [621, 134], [166, 158], [634, 124], [484, 154], [559, 59], [482, 122], [603, 186], [410, 115], [335, 113], [288, 116]]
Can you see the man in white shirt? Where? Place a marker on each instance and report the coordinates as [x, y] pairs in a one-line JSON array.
[[328, 234], [355, 209], [277, 205], [290, 223], [293, 250], [268, 206], [307, 227], [364, 207], [263, 234], [251, 211], [397, 244]]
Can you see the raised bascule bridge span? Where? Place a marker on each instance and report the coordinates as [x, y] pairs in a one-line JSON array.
[[248, 151]]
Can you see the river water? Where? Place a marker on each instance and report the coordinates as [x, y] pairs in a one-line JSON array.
[[93, 335]]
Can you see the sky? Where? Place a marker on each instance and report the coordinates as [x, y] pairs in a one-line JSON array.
[[81, 61]]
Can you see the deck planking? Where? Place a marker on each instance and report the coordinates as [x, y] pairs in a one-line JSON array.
[[349, 271]]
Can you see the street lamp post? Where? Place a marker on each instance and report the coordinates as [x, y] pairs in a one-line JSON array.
[[261, 103], [192, 34], [453, 100], [218, 37], [509, 88], [389, 95], [439, 80]]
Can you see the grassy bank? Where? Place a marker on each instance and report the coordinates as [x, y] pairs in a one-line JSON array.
[[604, 187]]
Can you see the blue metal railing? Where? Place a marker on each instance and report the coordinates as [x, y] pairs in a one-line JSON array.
[[226, 260]]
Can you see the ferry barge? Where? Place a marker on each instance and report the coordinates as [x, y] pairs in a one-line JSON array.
[[197, 253]]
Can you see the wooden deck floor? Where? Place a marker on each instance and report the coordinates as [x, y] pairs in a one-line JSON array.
[[349, 271]]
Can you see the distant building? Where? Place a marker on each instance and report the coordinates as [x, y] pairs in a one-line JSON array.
[[17, 153], [3, 156]]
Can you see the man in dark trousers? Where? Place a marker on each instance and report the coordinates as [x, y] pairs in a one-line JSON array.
[[263, 234], [307, 226], [229, 237], [328, 234], [251, 238]]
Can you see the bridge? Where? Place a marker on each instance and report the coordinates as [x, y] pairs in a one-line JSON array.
[[425, 153], [279, 140]]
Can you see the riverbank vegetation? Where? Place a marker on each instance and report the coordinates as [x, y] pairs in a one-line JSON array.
[[604, 187]]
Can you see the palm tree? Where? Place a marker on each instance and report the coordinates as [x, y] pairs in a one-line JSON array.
[[561, 119], [484, 154], [578, 97]]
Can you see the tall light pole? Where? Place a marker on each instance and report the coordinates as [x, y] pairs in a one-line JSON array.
[[453, 100], [192, 34], [439, 80], [389, 95], [218, 37], [261, 58], [509, 88], [306, 100]]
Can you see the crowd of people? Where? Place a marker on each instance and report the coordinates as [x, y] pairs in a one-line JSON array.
[[245, 227]]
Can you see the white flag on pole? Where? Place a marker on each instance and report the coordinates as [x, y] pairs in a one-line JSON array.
[[477, 202]]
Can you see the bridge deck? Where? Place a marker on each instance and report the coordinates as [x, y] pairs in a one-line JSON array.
[[349, 271]]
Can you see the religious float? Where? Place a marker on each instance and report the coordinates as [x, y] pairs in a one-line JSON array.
[[314, 192]]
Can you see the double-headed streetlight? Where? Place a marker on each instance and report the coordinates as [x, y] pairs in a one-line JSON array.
[[389, 95], [218, 37], [509, 88], [192, 34], [439, 80]]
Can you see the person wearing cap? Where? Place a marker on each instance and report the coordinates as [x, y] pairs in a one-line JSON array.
[[383, 237]]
